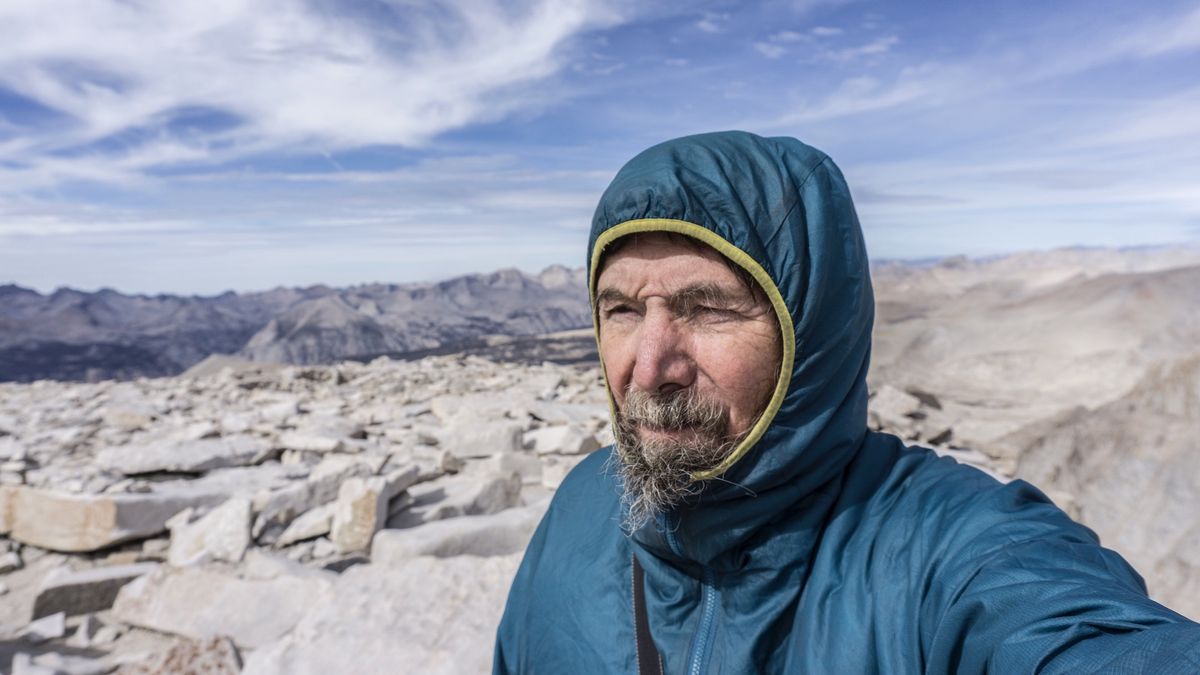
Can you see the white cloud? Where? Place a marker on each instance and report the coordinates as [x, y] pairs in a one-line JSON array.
[[927, 85], [770, 50], [712, 22], [874, 48], [826, 31], [773, 47], [283, 73]]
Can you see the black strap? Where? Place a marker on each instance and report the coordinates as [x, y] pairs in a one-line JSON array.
[[648, 661]]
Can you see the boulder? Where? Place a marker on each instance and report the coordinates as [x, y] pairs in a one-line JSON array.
[[470, 437], [85, 591], [323, 548], [502, 533], [576, 414], [129, 418], [477, 407], [217, 655], [107, 634], [462, 495], [361, 508], [326, 478], [11, 449], [561, 440], [46, 628], [261, 564], [422, 615], [504, 463], [309, 525], [199, 602], [196, 430], [6, 500], [545, 384], [220, 534], [194, 456], [277, 508], [72, 522], [891, 409], [55, 663], [329, 436], [76, 523], [277, 412]]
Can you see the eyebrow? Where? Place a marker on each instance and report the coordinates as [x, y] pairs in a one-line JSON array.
[[688, 296]]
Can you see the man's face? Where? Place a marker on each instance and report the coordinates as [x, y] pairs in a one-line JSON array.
[[691, 355]]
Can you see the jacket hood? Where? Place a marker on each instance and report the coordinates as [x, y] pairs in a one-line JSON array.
[[781, 210]]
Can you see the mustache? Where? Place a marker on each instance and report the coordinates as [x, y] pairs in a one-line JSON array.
[[682, 410]]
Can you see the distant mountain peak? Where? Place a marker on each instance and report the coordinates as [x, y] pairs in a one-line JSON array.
[[14, 289]]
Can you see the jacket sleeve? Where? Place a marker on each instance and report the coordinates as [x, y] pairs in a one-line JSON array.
[[1027, 590]]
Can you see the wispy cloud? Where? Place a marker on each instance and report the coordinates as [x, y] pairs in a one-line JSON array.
[[927, 85], [254, 76], [873, 48], [1168, 35], [770, 50], [933, 83], [776, 44], [712, 22]]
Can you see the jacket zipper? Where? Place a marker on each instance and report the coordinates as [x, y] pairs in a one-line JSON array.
[[704, 633], [708, 594], [637, 634]]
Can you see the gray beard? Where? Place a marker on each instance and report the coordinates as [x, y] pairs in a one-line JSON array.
[[656, 473]]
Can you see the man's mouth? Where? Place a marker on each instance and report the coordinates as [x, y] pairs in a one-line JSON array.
[[662, 431]]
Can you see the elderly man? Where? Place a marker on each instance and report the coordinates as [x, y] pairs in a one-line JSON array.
[[746, 520]]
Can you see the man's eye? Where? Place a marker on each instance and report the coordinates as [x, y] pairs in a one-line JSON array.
[[618, 309], [711, 313]]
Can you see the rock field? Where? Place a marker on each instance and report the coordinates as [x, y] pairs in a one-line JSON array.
[[269, 519]]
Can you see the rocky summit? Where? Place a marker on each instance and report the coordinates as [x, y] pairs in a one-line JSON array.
[[269, 519]]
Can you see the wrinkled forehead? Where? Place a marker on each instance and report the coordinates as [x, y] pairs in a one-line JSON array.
[[673, 259]]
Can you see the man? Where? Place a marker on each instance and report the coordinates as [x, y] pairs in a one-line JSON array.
[[747, 521]]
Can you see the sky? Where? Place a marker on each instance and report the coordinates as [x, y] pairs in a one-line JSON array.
[[199, 146]]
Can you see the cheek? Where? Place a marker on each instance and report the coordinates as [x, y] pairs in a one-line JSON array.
[[743, 370], [617, 364]]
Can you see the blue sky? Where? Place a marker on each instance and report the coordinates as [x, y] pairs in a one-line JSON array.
[[195, 146]]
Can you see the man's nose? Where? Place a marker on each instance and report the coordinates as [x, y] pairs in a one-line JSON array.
[[663, 364]]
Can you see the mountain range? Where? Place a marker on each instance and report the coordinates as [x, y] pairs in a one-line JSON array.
[[76, 335], [1092, 315]]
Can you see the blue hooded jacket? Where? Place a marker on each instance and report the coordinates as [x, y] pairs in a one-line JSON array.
[[825, 547]]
